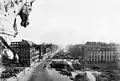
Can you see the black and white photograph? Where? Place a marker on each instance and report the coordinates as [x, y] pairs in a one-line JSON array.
[[59, 40]]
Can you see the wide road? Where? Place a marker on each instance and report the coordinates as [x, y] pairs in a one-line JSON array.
[[39, 73]]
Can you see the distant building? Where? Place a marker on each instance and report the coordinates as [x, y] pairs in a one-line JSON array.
[[100, 53]]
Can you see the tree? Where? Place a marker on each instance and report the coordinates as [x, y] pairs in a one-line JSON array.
[[75, 50]]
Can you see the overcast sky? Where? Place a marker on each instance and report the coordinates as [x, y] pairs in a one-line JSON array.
[[73, 21]]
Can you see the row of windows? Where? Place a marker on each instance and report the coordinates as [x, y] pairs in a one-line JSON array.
[[101, 49], [101, 52], [101, 56]]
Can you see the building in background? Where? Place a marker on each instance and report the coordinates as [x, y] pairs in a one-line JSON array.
[[101, 54]]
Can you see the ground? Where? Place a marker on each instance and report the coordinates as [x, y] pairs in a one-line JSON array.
[[49, 75]]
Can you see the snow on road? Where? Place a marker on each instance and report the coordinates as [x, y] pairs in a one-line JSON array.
[[39, 73], [90, 76]]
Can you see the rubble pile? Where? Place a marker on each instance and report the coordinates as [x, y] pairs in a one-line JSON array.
[[64, 69]]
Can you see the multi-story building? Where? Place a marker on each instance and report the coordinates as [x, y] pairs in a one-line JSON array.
[[23, 49], [100, 54]]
